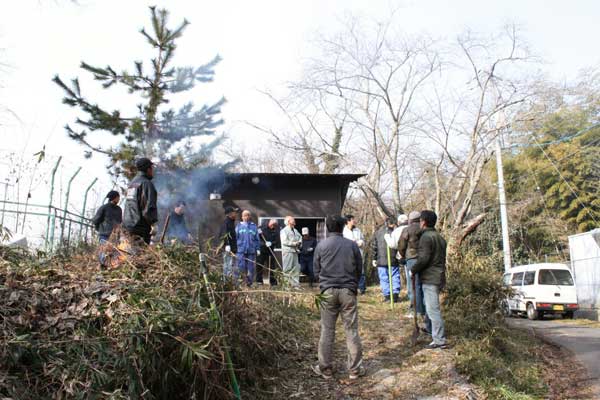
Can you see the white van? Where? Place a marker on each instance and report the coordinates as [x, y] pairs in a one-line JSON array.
[[541, 289]]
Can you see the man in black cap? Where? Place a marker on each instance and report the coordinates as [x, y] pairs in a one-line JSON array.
[[229, 242], [108, 216], [141, 211]]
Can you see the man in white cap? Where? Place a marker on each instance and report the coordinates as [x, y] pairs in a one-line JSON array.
[[306, 255], [392, 241], [291, 240]]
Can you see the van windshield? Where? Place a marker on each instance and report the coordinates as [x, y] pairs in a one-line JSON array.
[[555, 277]]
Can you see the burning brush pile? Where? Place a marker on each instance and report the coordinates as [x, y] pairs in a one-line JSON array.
[[144, 330]]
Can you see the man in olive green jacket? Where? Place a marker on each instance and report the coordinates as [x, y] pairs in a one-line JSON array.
[[431, 266]]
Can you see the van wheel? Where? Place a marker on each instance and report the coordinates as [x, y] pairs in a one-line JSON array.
[[532, 313], [568, 315]]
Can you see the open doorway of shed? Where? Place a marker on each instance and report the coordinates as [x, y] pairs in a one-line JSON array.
[[316, 225]]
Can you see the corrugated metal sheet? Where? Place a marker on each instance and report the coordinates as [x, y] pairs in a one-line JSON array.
[[585, 264]]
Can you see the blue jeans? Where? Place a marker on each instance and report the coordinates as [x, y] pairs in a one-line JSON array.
[[102, 255], [431, 293], [228, 270], [418, 287], [384, 279], [246, 263], [362, 283]]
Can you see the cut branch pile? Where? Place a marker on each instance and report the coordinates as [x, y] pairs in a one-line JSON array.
[[143, 331]]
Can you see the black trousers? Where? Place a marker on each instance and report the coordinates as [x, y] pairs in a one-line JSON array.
[[267, 260]]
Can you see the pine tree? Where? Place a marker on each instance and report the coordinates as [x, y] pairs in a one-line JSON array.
[[155, 131]]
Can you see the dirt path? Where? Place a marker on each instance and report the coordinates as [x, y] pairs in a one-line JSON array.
[[395, 369]]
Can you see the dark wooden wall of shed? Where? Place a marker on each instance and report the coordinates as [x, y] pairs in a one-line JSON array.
[[271, 195]]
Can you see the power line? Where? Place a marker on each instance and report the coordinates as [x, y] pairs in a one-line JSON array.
[[556, 243], [566, 182], [561, 140], [518, 176]]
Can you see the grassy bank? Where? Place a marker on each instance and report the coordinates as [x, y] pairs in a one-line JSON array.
[[507, 364], [143, 331]]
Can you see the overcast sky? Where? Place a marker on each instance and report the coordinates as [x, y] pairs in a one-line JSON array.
[[262, 44]]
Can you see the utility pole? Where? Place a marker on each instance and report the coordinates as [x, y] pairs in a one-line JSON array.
[[503, 214]]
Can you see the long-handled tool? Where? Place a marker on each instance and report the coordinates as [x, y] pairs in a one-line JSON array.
[[389, 260], [415, 334], [217, 318], [272, 256], [165, 227]]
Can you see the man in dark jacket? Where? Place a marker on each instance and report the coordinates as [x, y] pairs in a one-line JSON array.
[[177, 229], [408, 247], [141, 212], [108, 216], [306, 255], [338, 264], [269, 241], [380, 251], [431, 266], [228, 242]]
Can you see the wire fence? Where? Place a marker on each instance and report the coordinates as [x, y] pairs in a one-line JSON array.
[[46, 203]]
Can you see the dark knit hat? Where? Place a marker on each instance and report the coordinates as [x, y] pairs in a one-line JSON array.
[[112, 195], [230, 209], [142, 164]]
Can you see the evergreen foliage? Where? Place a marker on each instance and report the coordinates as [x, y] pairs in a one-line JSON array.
[[155, 131], [553, 182]]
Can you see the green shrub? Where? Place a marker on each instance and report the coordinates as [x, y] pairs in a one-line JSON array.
[[504, 362]]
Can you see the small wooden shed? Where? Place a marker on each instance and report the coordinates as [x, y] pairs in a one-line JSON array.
[[307, 197]]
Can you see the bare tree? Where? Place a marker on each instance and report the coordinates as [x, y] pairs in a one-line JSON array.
[[465, 121], [379, 76]]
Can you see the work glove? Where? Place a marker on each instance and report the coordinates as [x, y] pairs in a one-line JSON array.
[[259, 231], [389, 241], [228, 249], [310, 249], [269, 244], [374, 263], [258, 252], [153, 230], [360, 243]]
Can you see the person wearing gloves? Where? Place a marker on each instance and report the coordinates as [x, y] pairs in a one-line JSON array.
[[228, 242], [248, 247], [108, 216], [305, 257], [269, 241], [291, 240], [380, 260], [141, 212], [408, 249], [351, 232]]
